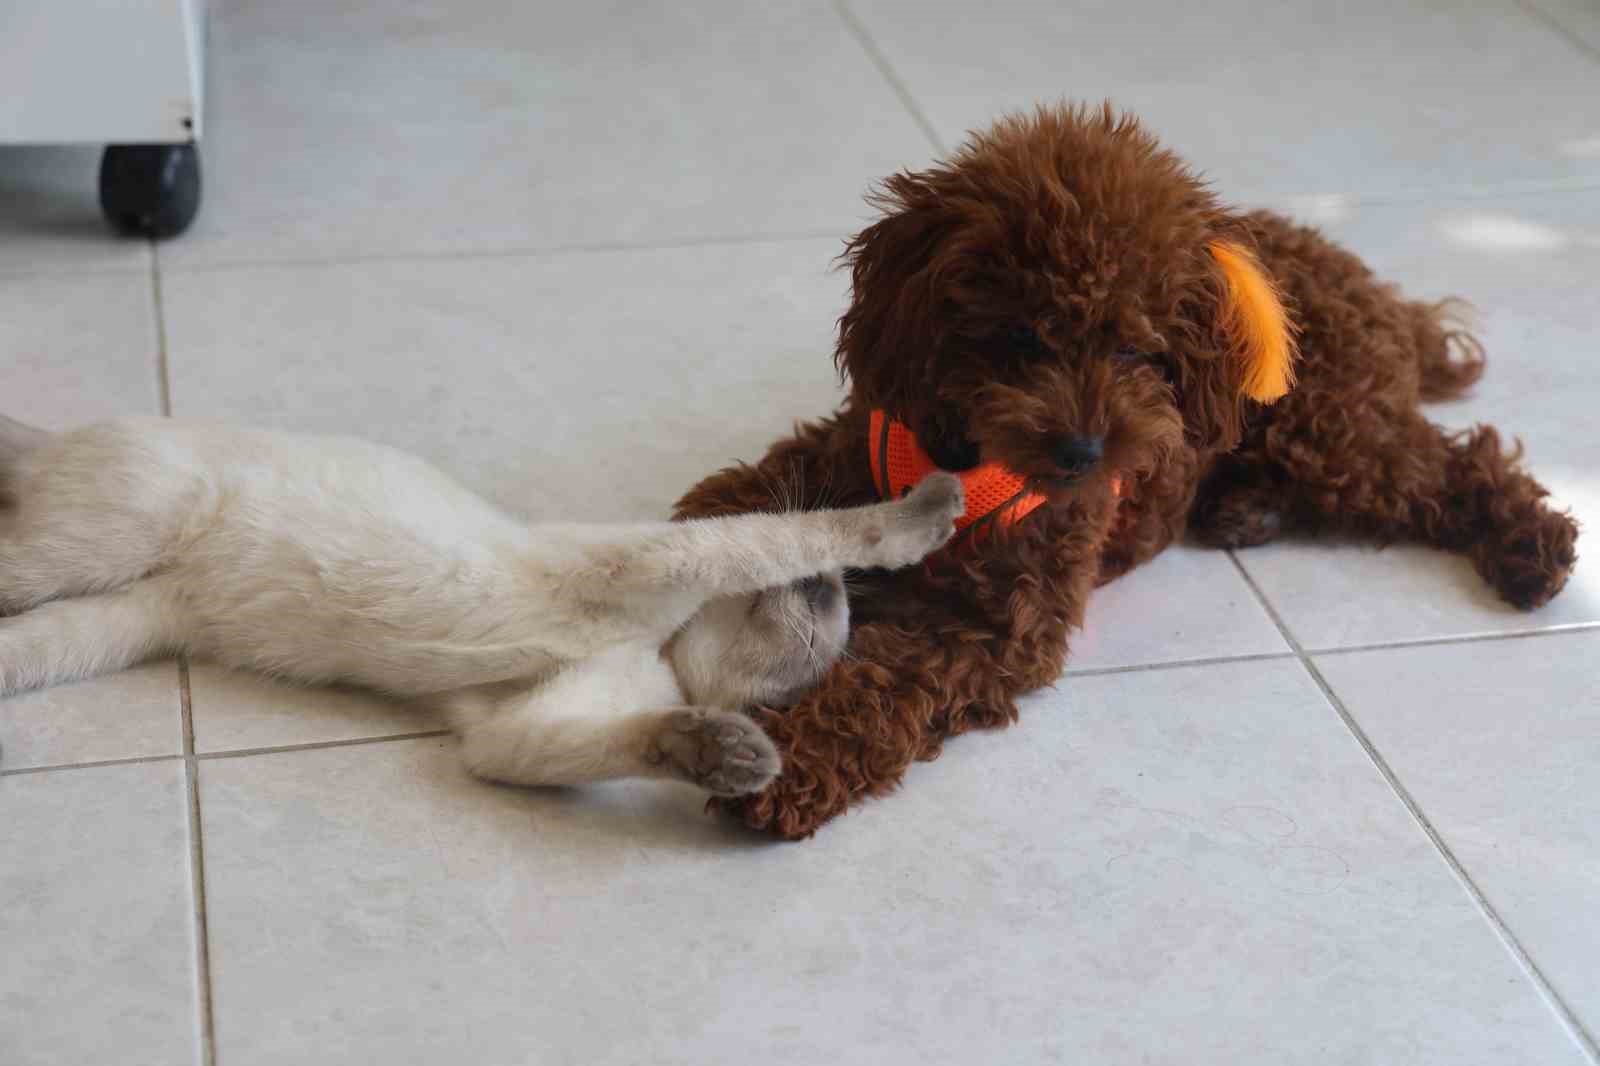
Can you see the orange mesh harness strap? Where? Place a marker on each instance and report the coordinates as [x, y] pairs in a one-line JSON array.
[[994, 494]]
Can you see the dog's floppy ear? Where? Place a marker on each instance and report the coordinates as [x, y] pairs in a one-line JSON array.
[[895, 266], [1256, 324]]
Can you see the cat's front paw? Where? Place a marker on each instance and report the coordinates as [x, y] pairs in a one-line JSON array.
[[721, 751], [921, 522]]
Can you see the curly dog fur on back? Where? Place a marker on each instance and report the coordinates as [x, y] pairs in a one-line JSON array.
[[1063, 296]]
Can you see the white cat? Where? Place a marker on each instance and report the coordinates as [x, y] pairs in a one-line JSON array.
[[563, 653]]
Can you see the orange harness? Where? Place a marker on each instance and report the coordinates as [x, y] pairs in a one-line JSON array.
[[994, 493]]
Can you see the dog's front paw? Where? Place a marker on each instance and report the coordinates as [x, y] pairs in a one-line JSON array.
[[924, 520], [1241, 520], [721, 751]]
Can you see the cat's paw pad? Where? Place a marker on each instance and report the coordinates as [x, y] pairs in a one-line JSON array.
[[921, 522], [721, 751], [937, 498]]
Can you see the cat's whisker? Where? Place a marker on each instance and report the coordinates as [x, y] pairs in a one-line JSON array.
[[768, 484]]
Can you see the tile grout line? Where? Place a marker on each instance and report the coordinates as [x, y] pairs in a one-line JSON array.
[[1558, 1006], [320, 745], [89, 764], [1068, 675], [52, 272], [1559, 28], [231, 753], [197, 876], [1268, 199], [1268, 656], [158, 304], [858, 30], [1174, 664], [466, 255], [1464, 638], [191, 771], [1412, 195]]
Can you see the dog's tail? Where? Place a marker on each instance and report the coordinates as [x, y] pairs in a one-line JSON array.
[[16, 440], [1450, 358]]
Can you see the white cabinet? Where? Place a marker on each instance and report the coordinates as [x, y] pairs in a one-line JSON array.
[[124, 73]]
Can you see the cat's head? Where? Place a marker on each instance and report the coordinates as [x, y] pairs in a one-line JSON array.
[[765, 648]]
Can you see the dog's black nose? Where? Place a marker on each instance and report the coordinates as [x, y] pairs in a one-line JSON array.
[[1076, 454], [819, 592]]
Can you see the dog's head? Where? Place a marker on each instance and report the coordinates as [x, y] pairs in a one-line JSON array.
[[1062, 296]]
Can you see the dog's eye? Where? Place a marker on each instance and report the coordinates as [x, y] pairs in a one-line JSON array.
[[1128, 354], [1024, 341]]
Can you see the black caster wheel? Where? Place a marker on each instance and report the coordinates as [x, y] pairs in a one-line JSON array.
[[150, 190]]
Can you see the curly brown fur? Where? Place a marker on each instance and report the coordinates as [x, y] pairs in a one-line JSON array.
[[1053, 281]]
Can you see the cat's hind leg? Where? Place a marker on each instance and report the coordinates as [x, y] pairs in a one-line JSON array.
[[67, 640], [571, 731], [87, 512], [40, 562], [724, 752]]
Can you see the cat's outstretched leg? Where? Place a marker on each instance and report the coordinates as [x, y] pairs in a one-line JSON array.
[[570, 731], [68, 640], [746, 553], [77, 514]]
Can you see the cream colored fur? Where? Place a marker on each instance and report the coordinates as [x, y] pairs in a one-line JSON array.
[[563, 652]]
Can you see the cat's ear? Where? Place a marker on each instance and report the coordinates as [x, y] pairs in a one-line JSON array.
[[1257, 326]]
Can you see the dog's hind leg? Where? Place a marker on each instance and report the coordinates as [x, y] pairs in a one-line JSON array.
[[1495, 512], [1397, 476], [72, 639], [1349, 451]]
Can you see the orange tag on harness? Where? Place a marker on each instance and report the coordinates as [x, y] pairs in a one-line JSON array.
[[994, 494]]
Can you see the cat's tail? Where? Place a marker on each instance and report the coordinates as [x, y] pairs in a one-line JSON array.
[[16, 440]]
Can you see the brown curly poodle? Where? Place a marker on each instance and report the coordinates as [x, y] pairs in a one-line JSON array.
[[1064, 301]]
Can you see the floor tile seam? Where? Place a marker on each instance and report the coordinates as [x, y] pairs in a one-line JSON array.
[[423, 256], [88, 764], [158, 306], [1511, 188], [897, 84], [1175, 664], [1563, 629], [68, 272], [205, 1028], [1071, 673], [205, 1015], [224, 753], [317, 745], [1558, 1006], [1556, 26], [222, 265]]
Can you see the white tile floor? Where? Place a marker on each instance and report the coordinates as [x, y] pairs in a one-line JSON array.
[[1319, 804]]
